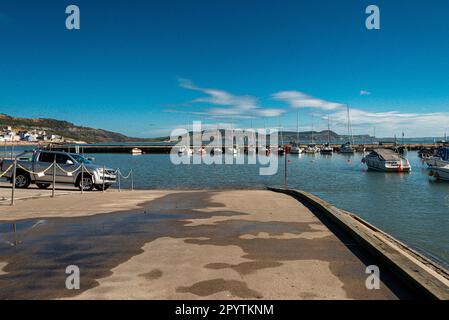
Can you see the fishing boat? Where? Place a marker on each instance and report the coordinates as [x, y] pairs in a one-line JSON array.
[[386, 160], [136, 152]]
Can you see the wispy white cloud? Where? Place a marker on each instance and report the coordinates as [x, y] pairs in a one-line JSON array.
[[393, 122], [222, 104], [298, 99], [365, 93]]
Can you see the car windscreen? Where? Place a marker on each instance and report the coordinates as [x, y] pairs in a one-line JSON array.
[[80, 159]]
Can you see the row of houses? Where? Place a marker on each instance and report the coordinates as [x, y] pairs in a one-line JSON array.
[[9, 135]]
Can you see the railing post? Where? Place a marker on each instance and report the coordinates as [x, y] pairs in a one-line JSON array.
[[54, 179], [13, 181], [119, 186], [82, 178], [104, 176], [132, 180], [285, 165]]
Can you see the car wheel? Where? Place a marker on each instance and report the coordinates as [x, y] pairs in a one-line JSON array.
[[43, 185], [86, 184], [23, 180], [99, 187]]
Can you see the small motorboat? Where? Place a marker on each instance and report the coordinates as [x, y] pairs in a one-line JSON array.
[[281, 150], [441, 159], [312, 149], [136, 152], [386, 160], [295, 149], [185, 151], [440, 173]]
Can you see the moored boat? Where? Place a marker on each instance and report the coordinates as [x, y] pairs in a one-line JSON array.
[[347, 148], [327, 149], [386, 160], [439, 173], [136, 151], [312, 149], [441, 159]]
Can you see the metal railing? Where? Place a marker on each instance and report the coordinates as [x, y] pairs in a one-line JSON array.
[[15, 166]]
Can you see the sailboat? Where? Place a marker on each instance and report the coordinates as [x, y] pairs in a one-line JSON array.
[[347, 147], [312, 148], [280, 148], [296, 149], [327, 149]]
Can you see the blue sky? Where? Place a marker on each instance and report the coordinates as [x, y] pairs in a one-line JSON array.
[[145, 67]]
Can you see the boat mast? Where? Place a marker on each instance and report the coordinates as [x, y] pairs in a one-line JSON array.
[[329, 130], [350, 135], [312, 129], [280, 128], [297, 127]]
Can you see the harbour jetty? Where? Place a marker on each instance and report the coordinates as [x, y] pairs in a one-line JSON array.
[[206, 244], [165, 148]]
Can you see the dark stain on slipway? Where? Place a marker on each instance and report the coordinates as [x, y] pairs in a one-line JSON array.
[[38, 252]]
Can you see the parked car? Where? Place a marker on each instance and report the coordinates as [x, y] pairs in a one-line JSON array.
[[31, 169]]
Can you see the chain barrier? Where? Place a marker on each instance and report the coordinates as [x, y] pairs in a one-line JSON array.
[[55, 165], [32, 172], [6, 171]]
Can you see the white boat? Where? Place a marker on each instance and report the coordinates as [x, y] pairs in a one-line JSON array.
[[201, 151], [281, 150], [347, 147], [327, 149], [235, 151], [251, 150], [136, 151], [185, 151], [439, 173], [441, 159], [217, 150], [386, 160], [295, 149], [264, 150], [312, 149]]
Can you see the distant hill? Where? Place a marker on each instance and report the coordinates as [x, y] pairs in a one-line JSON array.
[[318, 137], [67, 130]]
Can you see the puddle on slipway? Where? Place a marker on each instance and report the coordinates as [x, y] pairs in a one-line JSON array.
[[36, 253]]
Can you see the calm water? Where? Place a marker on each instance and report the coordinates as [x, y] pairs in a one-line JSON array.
[[411, 207]]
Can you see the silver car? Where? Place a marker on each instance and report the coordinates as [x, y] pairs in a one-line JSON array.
[[71, 168]]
